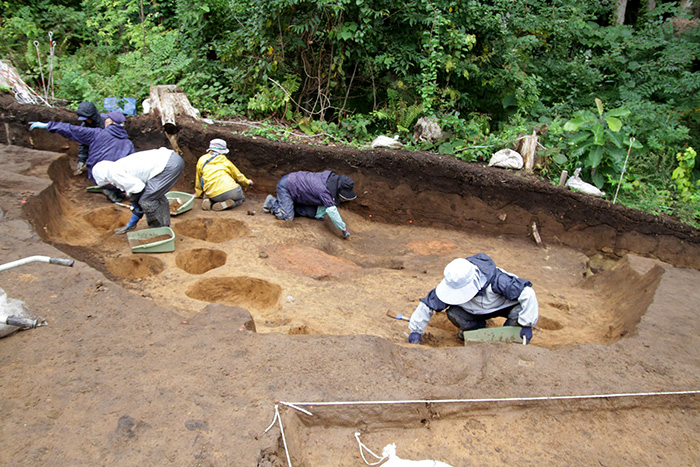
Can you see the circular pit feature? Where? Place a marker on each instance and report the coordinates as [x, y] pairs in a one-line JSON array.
[[211, 229], [200, 260], [135, 266], [247, 292]]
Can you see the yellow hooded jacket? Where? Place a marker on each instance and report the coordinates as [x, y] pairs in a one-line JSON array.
[[219, 174]]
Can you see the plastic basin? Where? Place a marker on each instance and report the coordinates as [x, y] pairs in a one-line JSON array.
[[186, 201], [156, 240], [505, 334]]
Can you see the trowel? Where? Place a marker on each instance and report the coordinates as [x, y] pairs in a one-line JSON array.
[[391, 314]]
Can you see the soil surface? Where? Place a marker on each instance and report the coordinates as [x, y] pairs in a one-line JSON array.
[[179, 358]]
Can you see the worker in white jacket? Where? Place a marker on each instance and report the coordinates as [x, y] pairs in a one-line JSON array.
[[145, 176], [474, 290]]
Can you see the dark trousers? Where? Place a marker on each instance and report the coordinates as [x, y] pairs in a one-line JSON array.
[[236, 195], [466, 321], [153, 201]]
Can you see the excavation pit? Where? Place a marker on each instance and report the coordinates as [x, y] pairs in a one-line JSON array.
[[455, 432], [213, 230], [200, 260], [247, 292], [139, 361], [315, 282], [135, 266], [107, 218]]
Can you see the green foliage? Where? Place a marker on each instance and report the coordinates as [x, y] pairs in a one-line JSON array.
[[682, 176], [397, 115], [275, 98], [597, 144]]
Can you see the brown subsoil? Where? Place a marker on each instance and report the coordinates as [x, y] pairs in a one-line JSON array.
[[178, 358]]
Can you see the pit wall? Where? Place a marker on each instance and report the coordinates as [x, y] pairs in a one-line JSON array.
[[424, 189], [327, 437], [427, 189]]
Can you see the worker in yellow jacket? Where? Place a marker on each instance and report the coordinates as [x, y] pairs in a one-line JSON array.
[[218, 181]]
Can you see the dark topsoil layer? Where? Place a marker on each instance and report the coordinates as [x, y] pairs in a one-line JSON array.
[[444, 192]]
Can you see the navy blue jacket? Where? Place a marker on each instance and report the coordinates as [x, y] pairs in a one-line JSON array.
[[106, 144], [501, 282], [311, 188]]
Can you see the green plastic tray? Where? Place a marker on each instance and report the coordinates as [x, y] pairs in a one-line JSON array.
[[505, 334], [139, 244], [186, 201]]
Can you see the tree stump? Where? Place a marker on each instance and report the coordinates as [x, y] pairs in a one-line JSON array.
[[169, 102], [527, 147]]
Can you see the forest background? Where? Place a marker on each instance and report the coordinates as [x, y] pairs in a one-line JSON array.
[[598, 80]]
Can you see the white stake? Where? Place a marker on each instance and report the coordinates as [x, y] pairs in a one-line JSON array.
[[623, 169]]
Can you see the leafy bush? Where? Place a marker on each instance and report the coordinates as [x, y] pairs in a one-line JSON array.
[[598, 146]]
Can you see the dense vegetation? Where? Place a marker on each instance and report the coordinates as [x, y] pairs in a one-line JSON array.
[[490, 71]]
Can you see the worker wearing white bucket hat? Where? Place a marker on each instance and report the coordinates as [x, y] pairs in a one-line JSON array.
[[474, 290]]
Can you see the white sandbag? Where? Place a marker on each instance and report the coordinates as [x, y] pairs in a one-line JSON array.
[[395, 461], [507, 159], [386, 142], [576, 184], [427, 129], [12, 307]]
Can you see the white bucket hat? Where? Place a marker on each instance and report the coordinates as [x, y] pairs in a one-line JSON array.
[[218, 146], [461, 282]]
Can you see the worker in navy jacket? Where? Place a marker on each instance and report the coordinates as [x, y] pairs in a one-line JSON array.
[[473, 290], [106, 144], [91, 118], [311, 194]]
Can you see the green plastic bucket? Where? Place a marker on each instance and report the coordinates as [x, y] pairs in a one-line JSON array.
[[506, 334], [156, 240], [186, 201]]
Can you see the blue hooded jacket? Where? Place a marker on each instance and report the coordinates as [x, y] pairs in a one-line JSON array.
[[501, 282], [310, 188], [88, 110], [106, 144]]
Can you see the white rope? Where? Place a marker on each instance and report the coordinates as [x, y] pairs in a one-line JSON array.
[[501, 399], [289, 404], [357, 437], [284, 440]]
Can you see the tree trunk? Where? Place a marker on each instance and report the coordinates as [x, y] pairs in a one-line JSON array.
[[620, 12], [651, 5]]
